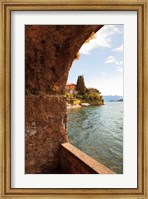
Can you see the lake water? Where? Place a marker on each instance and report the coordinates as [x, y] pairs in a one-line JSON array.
[[98, 131]]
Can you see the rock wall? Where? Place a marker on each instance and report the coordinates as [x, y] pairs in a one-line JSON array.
[[45, 131], [49, 53]]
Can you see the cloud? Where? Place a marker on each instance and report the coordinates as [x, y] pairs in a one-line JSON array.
[[103, 73], [102, 39], [119, 49], [117, 29], [110, 59], [119, 66], [119, 69], [120, 63]]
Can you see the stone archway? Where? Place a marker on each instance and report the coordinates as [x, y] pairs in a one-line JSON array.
[[49, 53]]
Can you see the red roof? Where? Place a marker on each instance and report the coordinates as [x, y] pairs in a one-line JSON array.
[[70, 84]]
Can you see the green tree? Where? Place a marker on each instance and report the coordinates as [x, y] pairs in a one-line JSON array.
[[81, 85]]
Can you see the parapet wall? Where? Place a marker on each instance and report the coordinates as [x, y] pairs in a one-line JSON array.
[[74, 161]]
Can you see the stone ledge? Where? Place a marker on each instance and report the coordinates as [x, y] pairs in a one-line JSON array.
[[82, 159]]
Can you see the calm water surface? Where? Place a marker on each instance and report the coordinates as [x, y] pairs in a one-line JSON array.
[[98, 131]]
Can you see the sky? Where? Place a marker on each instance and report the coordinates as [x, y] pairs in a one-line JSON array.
[[101, 61]]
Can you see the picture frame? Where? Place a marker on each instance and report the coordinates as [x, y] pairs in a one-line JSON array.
[[5, 124]]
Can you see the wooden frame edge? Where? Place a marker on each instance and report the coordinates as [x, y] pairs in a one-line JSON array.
[[17, 192], [1, 101], [145, 82]]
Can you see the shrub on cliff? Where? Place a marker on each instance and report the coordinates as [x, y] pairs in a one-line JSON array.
[[68, 95], [94, 98]]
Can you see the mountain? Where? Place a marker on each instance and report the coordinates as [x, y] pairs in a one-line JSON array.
[[108, 98], [120, 100]]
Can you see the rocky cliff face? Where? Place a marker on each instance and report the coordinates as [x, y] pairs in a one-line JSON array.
[[49, 53]]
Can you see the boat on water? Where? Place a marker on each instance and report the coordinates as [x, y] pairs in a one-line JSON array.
[[85, 104]]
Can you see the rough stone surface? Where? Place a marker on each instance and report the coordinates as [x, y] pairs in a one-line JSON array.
[[45, 131], [49, 53]]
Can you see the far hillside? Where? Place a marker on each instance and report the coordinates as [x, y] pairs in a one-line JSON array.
[[109, 98]]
